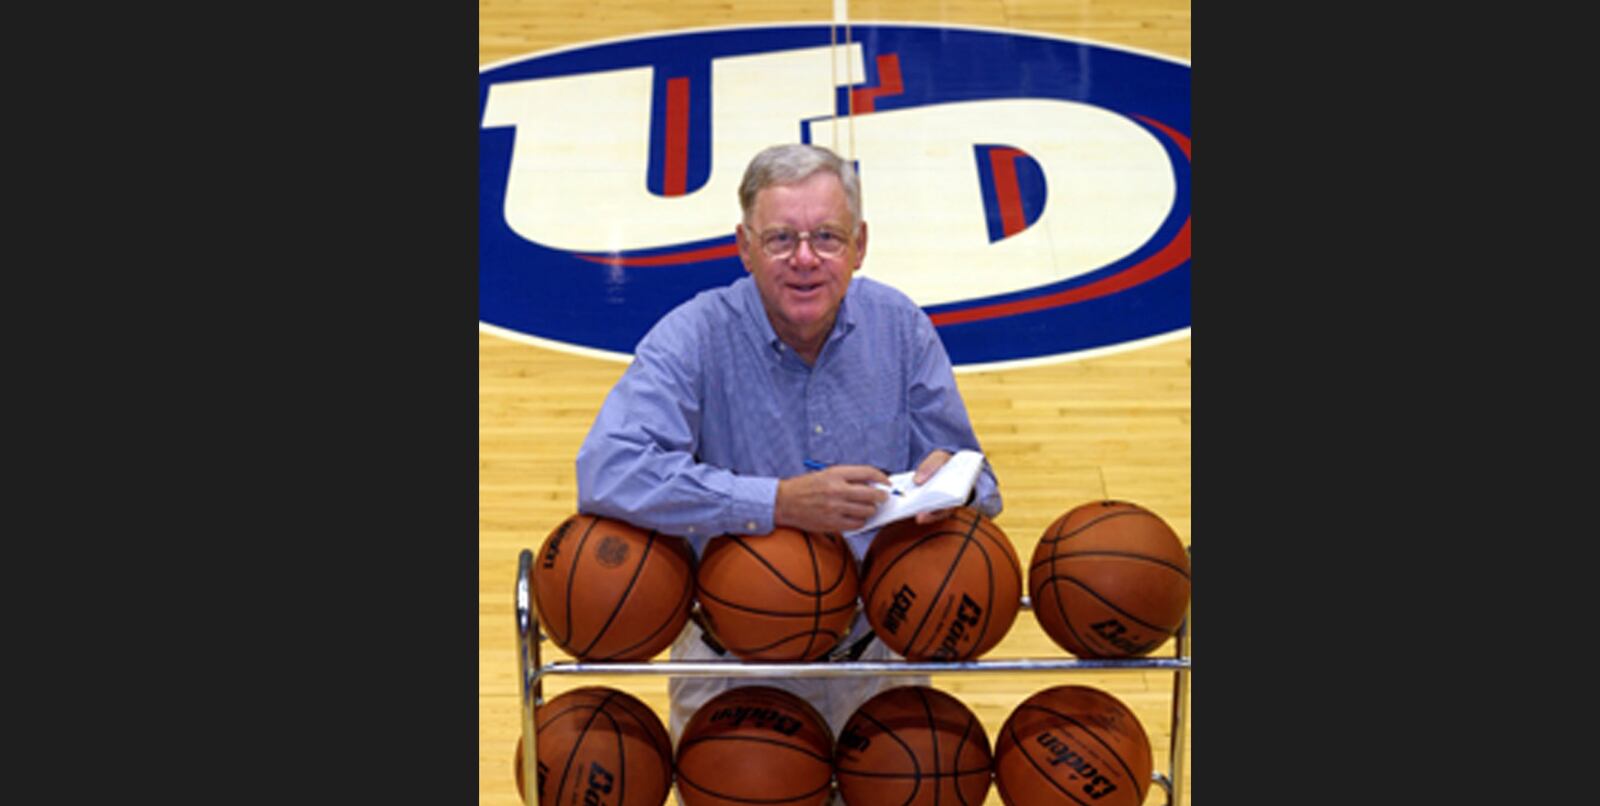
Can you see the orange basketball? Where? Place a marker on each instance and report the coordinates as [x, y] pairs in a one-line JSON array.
[[755, 744], [608, 590], [600, 745], [784, 596], [1072, 744], [942, 591], [912, 746], [1109, 579]]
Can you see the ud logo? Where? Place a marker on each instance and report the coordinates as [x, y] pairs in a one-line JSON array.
[[1030, 192]]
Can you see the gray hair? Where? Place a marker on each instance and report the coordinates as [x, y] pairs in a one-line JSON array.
[[792, 162]]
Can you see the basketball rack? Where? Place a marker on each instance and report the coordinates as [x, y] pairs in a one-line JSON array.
[[533, 671]]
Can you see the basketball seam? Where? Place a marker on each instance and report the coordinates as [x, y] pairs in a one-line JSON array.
[[955, 773], [631, 707], [655, 731], [876, 570], [739, 540], [933, 736], [1108, 603], [1138, 786], [816, 599], [1060, 606], [684, 745], [1009, 551], [622, 761], [1127, 555], [846, 566], [716, 794], [783, 640], [698, 740], [680, 607], [966, 540], [966, 737], [578, 742], [572, 573], [572, 705], [625, 708], [622, 598], [1016, 743], [988, 605], [1101, 518], [705, 594], [1089, 647], [916, 765], [1060, 601]]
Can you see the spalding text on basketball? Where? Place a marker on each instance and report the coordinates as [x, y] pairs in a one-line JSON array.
[[552, 548], [1114, 632], [1060, 753], [600, 783], [601, 780], [899, 608], [769, 718], [851, 740], [967, 615]]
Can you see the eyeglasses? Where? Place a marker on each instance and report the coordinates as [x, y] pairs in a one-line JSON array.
[[825, 241]]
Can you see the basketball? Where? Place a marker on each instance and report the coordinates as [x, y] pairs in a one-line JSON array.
[[609, 591], [942, 591], [784, 596], [912, 746], [755, 744], [1072, 744], [600, 745], [1109, 579]]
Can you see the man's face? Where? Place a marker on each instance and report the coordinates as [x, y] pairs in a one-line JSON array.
[[802, 291]]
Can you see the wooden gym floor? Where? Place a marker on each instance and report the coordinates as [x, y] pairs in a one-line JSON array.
[[1112, 426]]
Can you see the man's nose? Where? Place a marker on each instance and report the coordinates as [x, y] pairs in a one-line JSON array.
[[804, 254]]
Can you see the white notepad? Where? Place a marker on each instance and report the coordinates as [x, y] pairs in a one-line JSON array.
[[949, 487]]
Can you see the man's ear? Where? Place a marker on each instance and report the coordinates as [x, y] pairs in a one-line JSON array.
[[741, 237], [861, 245]]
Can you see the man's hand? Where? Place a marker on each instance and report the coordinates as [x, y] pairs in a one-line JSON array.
[[930, 465], [838, 499]]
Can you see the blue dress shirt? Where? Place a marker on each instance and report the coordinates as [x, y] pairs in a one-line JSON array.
[[715, 409]]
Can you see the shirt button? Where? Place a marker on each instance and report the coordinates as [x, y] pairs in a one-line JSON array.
[[691, 530], [819, 428], [750, 526]]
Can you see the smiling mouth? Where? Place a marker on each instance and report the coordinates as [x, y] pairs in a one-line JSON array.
[[804, 288]]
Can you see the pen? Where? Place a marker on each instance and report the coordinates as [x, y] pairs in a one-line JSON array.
[[812, 464]]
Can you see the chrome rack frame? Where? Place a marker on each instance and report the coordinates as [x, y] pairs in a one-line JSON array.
[[533, 671]]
